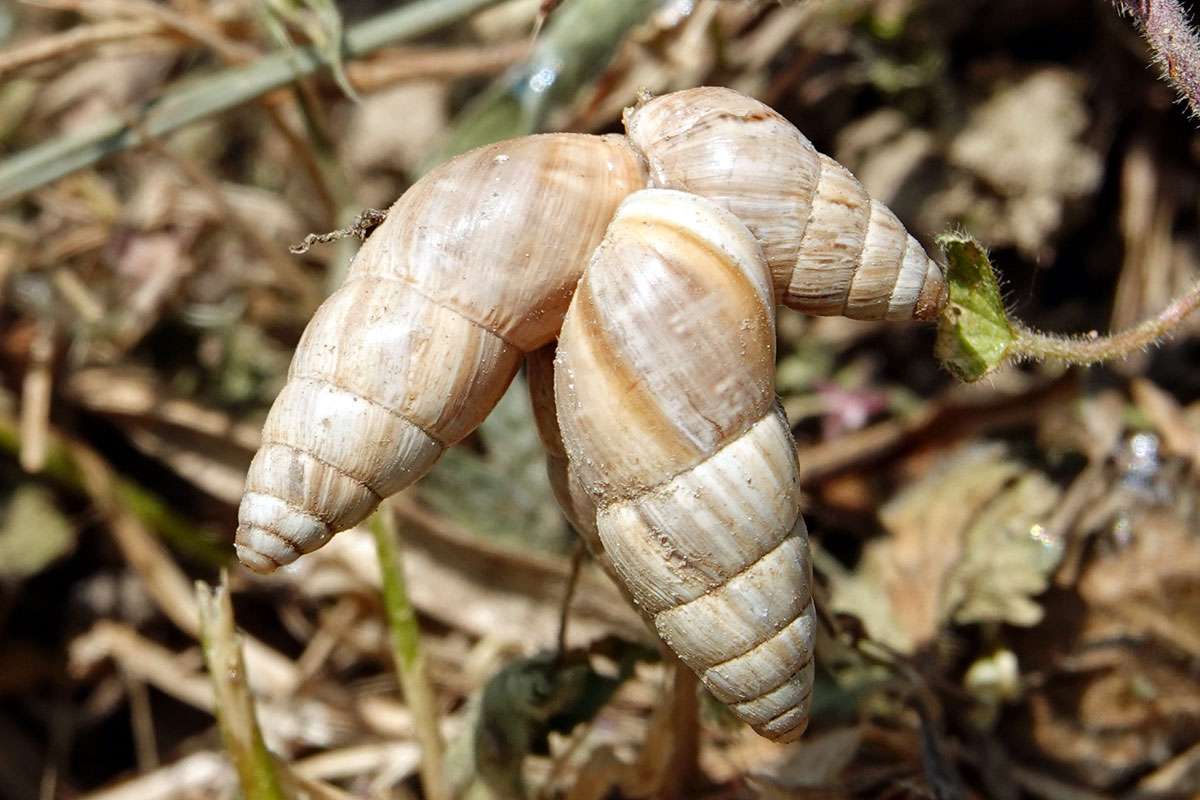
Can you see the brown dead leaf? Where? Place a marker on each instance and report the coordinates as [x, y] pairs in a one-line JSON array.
[[1119, 694], [964, 545]]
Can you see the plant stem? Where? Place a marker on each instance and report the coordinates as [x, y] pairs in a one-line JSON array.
[[197, 99], [683, 772], [1094, 349], [406, 652], [564, 613], [1176, 47], [255, 766]]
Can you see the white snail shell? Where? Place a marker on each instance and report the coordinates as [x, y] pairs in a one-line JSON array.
[[668, 451], [577, 505]]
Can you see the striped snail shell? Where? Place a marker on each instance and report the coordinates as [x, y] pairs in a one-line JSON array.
[[664, 382], [831, 248], [473, 267]]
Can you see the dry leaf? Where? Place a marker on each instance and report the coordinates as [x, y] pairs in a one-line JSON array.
[[963, 546]]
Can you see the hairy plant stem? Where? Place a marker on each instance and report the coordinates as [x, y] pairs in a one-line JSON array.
[[1094, 349], [406, 651], [1176, 47]]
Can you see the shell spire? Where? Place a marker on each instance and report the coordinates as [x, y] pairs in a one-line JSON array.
[[832, 250]]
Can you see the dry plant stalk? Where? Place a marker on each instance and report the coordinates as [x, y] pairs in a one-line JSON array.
[[36, 390], [196, 99], [255, 766], [475, 266]]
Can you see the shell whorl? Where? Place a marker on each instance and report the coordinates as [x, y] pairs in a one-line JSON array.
[[473, 266], [665, 392], [831, 249]]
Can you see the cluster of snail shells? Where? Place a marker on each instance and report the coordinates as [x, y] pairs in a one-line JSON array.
[[667, 449]]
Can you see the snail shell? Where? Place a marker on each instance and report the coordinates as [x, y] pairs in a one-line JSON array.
[[473, 267], [664, 382], [831, 248]]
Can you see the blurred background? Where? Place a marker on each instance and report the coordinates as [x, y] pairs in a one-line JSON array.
[[1010, 570]]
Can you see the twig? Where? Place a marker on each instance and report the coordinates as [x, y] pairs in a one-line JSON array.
[[202, 32], [366, 221], [406, 651], [410, 63], [197, 99], [1094, 349], [196, 775], [1176, 47], [55, 45], [682, 774], [36, 389], [955, 414], [141, 722]]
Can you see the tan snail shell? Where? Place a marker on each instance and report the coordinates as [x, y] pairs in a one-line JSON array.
[[665, 389], [475, 265]]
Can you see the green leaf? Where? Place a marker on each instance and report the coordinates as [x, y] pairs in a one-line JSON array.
[[974, 333], [34, 533]]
